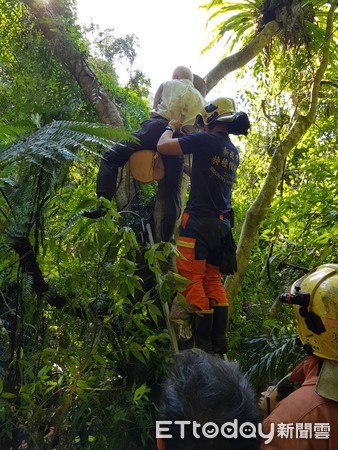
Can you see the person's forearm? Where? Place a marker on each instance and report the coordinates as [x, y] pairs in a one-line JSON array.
[[166, 137], [167, 145]]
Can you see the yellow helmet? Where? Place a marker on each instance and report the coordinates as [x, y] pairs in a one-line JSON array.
[[315, 301], [222, 109]]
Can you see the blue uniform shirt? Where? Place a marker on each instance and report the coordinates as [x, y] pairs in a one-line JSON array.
[[215, 160]]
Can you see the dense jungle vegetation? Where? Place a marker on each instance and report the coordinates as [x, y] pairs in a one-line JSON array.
[[84, 344]]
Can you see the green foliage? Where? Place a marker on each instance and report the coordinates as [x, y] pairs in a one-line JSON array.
[[47, 89], [271, 357], [101, 344], [107, 50], [116, 48], [299, 231], [61, 141], [86, 348], [44, 87], [110, 331], [239, 20]]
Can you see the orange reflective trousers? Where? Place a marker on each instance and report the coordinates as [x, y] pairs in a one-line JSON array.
[[200, 243]]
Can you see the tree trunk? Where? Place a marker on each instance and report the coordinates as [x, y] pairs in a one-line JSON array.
[[74, 61], [257, 211], [239, 59]]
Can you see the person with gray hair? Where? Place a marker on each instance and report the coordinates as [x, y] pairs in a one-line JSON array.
[[177, 98]]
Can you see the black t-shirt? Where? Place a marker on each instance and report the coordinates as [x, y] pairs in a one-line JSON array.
[[215, 160]]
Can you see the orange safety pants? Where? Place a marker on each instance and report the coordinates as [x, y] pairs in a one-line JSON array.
[[200, 244]]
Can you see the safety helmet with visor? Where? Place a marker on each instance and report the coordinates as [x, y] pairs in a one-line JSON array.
[[315, 301], [222, 109]]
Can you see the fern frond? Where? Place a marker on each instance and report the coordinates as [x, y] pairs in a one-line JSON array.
[[70, 223], [61, 141], [239, 21], [272, 355]]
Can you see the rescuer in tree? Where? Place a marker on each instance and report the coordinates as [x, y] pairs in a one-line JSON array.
[[175, 99], [205, 238]]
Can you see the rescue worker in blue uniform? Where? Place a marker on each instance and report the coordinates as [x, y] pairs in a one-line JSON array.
[[205, 238]]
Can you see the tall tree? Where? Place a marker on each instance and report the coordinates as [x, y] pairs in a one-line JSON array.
[[255, 26], [286, 20], [49, 17]]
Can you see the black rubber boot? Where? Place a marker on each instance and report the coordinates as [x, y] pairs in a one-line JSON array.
[[105, 182], [185, 344], [202, 329], [219, 330]]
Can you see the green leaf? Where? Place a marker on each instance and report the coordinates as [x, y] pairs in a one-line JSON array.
[[138, 355], [8, 395], [154, 312], [138, 394], [137, 350]]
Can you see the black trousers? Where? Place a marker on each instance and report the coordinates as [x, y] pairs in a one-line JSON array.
[[119, 154]]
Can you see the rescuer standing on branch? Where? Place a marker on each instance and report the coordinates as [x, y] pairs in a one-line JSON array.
[[205, 237]]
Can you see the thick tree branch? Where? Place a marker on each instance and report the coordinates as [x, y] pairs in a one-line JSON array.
[[258, 209], [75, 62], [30, 267], [323, 64], [239, 59]]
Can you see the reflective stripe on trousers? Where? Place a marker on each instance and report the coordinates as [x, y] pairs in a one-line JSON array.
[[200, 243]]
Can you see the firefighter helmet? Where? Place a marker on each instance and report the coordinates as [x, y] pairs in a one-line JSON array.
[[315, 302], [222, 109]]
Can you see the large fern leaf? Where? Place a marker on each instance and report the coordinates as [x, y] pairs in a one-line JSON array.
[[240, 20], [62, 141]]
